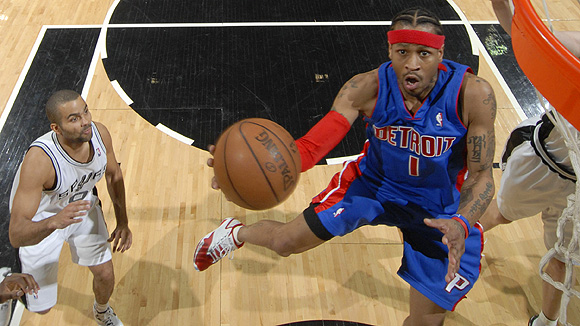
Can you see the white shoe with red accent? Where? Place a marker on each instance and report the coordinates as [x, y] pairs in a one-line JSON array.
[[216, 245]]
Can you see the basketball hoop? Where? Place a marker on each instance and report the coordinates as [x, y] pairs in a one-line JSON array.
[[555, 73], [551, 68]]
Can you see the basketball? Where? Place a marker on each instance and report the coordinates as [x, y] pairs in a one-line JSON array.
[[256, 163]]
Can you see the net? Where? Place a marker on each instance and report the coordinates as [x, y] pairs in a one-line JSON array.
[[555, 73]]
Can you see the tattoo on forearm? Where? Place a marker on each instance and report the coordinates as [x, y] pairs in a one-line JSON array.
[[481, 204], [478, 143], [466, 196], [490, 150]]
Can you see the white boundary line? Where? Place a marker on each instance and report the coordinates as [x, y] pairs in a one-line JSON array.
[[106, 21], [340, 160], [21, 78], [121, 92], [468, 27], [256, 24], [100, 49], [174, 134]]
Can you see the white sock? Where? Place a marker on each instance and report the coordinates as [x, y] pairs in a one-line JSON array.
[[542, 320], [235, 234], [101, 307]]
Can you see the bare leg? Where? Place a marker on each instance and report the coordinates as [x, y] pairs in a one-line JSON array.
[[550, 295], [492, 217], [103, 281], [283, 238], [423, 312]]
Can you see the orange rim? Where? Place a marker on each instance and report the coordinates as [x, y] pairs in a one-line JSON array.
[[552, 69]]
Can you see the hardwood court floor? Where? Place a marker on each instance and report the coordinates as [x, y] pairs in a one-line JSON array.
[[171, 206]]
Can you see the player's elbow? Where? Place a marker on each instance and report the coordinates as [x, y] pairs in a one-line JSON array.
[[16, 237], [14, 240]]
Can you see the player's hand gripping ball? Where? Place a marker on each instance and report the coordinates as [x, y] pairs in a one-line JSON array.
[[256, 163]]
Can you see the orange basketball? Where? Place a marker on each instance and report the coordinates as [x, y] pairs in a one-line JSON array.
[[256, 163]]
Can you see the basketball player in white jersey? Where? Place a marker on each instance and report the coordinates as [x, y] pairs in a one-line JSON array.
[[537, 177], [54, 200]]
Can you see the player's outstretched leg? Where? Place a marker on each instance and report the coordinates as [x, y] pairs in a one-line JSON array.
[[217, 244]]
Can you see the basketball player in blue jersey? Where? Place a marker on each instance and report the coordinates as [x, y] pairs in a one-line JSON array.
[[537, 178], [425, 168], [54, 200]]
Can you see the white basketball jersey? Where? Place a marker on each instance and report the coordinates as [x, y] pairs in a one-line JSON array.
[[74, 180]]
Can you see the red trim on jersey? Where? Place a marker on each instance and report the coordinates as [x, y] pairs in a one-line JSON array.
[[461, 178], [440, 67], [458, 301], [340, 183], [480, 228]]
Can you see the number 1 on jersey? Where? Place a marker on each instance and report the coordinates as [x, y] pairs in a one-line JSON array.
[[413, 166]]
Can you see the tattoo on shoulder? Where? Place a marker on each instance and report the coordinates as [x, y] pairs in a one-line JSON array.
[[349, 85], [490, 101]]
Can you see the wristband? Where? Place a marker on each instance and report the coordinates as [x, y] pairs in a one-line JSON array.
[[322, 138], [464, 223]]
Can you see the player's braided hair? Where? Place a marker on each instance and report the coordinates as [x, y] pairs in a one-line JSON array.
[[56, 100], [417, 16]]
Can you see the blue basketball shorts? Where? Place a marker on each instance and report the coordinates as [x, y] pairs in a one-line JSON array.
[[347, 204]]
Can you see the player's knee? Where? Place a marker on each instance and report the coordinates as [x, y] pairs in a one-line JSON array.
[[283, 246], [105, 275]]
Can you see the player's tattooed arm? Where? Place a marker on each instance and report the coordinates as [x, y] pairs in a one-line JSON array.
[[480, 112], [475, 204], [357, 96]]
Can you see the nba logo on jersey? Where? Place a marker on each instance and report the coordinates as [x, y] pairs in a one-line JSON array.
[[99, 150], [439, 118]]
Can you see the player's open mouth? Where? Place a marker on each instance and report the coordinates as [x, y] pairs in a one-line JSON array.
[[411, 82]]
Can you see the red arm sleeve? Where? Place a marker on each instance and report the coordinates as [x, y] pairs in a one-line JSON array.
[[322, 138]]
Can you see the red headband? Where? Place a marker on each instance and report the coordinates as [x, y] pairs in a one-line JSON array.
[[416, 37]]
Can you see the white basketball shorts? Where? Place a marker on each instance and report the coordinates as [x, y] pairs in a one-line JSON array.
[[88, 245], [529, 187]]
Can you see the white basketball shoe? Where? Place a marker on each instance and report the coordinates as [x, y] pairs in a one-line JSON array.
[[107, 317], [216, 244]]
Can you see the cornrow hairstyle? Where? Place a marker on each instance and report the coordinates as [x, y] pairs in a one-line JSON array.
[[417, 16], [55, 101]]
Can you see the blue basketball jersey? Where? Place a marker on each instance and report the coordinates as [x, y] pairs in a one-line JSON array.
[[417, 158]]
